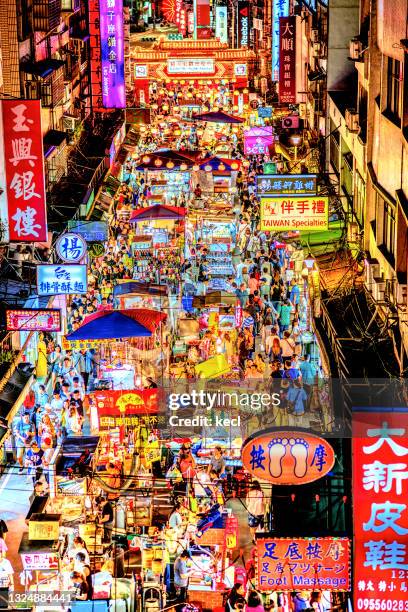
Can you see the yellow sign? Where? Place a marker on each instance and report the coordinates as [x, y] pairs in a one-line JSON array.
[[289, 213], [43, 530], [213, 367]]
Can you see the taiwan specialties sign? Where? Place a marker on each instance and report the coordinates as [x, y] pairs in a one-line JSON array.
[[290, 564], [112, 53], [24, 169], [290, 213], [287, 457], [287, 62], [63, 279], [380, 496], [33, 319], [290, 184]]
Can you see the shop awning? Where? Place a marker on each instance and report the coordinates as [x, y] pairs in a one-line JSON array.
[[217, 117], [137, 287], [108, 324], [158, 211]]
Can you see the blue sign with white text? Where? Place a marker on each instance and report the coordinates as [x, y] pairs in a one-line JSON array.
[[63, 279]]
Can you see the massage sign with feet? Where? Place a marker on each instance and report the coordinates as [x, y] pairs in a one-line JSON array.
[[291, 451]]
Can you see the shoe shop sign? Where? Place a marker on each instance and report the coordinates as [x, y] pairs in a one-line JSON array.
[[287, 457]]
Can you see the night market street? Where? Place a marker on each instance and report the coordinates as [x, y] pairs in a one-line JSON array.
[[203, 298]]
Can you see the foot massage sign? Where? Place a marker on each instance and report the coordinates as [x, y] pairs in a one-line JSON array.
[[287, 457]]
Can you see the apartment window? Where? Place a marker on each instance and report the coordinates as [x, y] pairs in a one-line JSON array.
[[389, 228], [394, 89]]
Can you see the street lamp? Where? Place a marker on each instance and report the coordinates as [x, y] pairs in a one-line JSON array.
[[295, 140]]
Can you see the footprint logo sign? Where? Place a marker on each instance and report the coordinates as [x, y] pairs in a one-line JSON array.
[[287, 457]]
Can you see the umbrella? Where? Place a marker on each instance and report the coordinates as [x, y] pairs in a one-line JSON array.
[[217, 117], [106, 324], [158, 211]]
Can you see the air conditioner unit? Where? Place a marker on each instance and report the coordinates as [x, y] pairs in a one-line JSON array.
[[372, 272], [378, 290], [314, 35], [69, 123], [356, 49], [352, 120], [290, 122]]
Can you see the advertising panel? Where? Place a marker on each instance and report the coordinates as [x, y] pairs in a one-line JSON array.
[[221, 23], [295, 213], [200, 65], [287, 64], [24, 166], [33, 319], [290, 564], [243, 24], [380, 492], [257, 140], [280, 8], [290, 184], [287, 457], [112, 53], [63, 279], [92, 231]]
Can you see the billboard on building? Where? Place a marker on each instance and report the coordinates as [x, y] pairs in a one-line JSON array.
[[380, 493], [291, 213], [243, 24], [287, 62], [24, 170], [280, 8], [290, 184], [112, 53], [221, 23]]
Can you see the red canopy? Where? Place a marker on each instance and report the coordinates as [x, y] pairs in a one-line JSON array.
[[158, 211]]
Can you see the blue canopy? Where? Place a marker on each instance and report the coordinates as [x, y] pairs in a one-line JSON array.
[[107, 324]]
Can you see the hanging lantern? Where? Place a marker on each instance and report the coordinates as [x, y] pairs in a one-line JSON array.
[[142, 128], [183, 167], [235, 107], [177, 132], [179, 94], [154, 106], [215, 109], [146, 159], [171, 93], [236, 92], [234, 166], [208, 168], [235, 129], [221, 167], [165, 107], [189, 94], [158, 162], [170, 165], [209, 82], [154, 130], [245, 91], [176, 109], [182, 82], [191, 82], [162, 92], [196, 168]]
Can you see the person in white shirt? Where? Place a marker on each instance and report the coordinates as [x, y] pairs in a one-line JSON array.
[[255, 505]]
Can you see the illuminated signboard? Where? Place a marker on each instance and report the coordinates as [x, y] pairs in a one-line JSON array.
[[286, 457], [240, 69], [287, 62], [92, 231], [24, 166], [243, 24], [199, 65], [291, 184], [140, 71], [380, 494], [290, 564], [292, 213], [33, 319], [221, 23], [63, 279], [280, 8], [112, 53], [70, 248], [265, 112]]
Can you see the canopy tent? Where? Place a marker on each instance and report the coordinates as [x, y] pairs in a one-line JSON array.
[[217, 117], [108, 324], [157, 211]]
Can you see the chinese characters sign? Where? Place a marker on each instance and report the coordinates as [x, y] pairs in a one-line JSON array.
[[23, 153], [221, 23], [288, 564], [200, 65], [380, 489], [290, 213], [71, 247], [91, 231], [280, 8], [115, 408], [44, 530], [61, 279], [257, 140], [292, 184], [31, 319], [39, 561], [112, 53], [287, 62], [287, 457]]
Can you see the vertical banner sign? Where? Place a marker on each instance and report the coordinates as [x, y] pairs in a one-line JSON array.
[[24, 165], [112, 53], [203, 19], [243, 24], [287, 65], [221, 23], [95, 55], [280, 8], [380, 497]]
